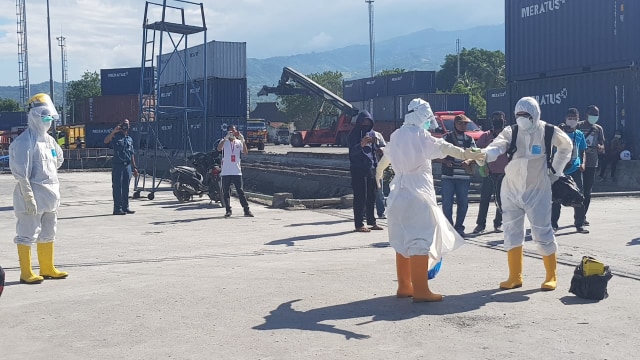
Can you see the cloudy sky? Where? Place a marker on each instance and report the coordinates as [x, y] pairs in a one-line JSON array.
[[108, 33]]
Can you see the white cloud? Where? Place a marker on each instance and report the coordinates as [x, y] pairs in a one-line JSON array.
[[108, 33]]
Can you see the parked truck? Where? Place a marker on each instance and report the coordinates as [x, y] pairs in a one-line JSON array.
[[326, 129], [256, 133]]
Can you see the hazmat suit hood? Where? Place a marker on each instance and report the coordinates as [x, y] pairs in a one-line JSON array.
[[41, 114], [419, 114], [531, 107]]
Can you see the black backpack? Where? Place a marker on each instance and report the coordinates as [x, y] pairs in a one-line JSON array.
[[548, 135]]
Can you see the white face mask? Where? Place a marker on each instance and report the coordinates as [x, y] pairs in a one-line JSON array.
[[524, 122], [572, 123], [618, 136], [592, 119]]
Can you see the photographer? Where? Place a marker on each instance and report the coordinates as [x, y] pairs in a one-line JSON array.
[[123, 165], [232, 146]]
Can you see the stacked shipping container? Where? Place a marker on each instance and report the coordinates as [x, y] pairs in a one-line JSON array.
[[574, 53], [125, 81]]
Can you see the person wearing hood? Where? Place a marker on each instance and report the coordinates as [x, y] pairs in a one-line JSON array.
[[34, 159], [419, 232], [594, 136], [525, 192], [574, 169], [362, 157]]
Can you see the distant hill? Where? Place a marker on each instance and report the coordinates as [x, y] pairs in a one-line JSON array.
[[422, 50]]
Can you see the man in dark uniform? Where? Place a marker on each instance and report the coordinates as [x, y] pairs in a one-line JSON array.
[[123, 166]]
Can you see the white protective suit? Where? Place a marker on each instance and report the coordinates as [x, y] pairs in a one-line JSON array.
[[417, 225], [526, 188], [34, 157]]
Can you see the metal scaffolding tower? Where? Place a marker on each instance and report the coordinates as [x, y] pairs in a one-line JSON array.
[[156, 33], [63, 57], [23, 58]]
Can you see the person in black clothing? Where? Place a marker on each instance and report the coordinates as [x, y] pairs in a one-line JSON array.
[[362, 157], [123, 165]]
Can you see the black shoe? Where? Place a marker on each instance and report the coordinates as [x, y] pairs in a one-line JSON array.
[[129, 211], [581, 230], [478, 230], [555, 228], [248, 213], [227, 214], [586, 223], [119, 212], [497, 228]]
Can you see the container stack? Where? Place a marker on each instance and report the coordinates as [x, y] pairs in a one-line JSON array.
[[386, 97], [182, 103], [575, 53]]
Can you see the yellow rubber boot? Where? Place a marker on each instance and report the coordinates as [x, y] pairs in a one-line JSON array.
[[421, 292], [403, 268], [550, 265], [515, 258], [26, 273], [45, 257]]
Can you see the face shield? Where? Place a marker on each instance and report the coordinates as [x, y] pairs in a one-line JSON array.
[[42, 112]]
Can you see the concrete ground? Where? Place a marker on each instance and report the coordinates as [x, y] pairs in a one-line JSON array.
[[180, 281]]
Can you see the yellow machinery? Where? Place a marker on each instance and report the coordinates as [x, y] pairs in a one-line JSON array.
[[71, 136]]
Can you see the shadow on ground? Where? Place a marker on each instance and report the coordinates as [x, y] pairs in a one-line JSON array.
[[386, 308], [292, 240]]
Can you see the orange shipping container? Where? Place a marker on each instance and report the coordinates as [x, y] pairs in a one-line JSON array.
[[111, 108]]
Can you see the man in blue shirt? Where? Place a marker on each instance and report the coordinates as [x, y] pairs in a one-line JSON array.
[[123, 165], [574, 168]]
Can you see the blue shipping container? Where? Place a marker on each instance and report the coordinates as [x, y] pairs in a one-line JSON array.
[[384, 108], [9, 119], [615, 92], [125, 81], [438, 102], [560, 37], [229, 97], [497, 100], [95, 133], [412, 82], [375, 87], [353, 90]]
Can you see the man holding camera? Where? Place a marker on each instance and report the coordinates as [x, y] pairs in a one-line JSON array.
[[232, 146], [123, 165]]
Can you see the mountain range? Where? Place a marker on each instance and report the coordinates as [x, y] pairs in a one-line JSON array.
[[422, 50]]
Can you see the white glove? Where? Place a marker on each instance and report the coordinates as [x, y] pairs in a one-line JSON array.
[[31, 207], [477, 155]]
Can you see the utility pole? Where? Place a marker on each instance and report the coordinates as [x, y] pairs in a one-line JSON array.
[[458, 53], [371, 38], [63, 61], [55, 132]]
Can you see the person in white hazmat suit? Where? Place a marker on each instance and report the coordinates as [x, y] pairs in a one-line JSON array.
[[418, 230], [526, 190], [34, 159]]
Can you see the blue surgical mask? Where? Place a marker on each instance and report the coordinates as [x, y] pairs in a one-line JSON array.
[[592, 119], [47, 118], [427, 125]]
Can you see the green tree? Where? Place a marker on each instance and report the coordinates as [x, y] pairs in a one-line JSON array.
[[88, 86], [469, 85], [391, 71], [304, 109], [9, 105]]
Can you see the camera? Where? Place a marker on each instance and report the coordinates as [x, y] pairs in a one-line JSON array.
[[124, 126]]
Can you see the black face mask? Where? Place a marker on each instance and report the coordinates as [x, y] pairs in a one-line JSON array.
[[498, 125], [366, 128]]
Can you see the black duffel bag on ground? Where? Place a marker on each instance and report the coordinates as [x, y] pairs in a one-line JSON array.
[[566, 192], [588, 283]]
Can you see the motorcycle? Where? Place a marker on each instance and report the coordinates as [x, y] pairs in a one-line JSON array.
[[203, 178]]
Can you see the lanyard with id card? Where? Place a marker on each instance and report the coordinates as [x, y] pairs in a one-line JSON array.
[[233, 156]]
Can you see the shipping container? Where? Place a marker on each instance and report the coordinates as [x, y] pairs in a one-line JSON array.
[[438, 102], [229, 97], [358, 105], [375, 87], [95, 133], [125, 81], [616, 93], [384, 108], [497, 100], [412, 82], [353, 90], [9, 119], [110, 109], [224, 60], [560, 37]]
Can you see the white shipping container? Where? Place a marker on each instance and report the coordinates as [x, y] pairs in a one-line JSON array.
[[227, 60]]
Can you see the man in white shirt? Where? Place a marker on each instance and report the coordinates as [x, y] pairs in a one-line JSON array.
[[232, 146]]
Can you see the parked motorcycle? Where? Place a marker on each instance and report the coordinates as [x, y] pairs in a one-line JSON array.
[[203, 178]]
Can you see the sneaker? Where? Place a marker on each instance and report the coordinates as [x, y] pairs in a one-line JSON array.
[[600, 179], [581, 230], [382, 216], [586, 223], [498, 228], [119, 212], [248, 213], [227, 214], [478, 230], [129, 211]]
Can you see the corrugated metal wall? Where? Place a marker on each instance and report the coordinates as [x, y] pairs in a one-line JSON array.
[[224, 60], [353, 90], [412, 82], [125, 81], [375, 87], [560, 37], [110, 109], [497, 100], [616, 93], [9, 119]]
